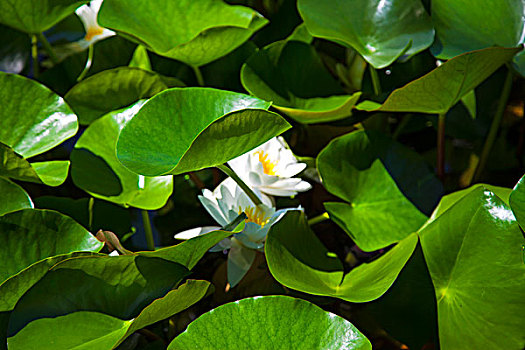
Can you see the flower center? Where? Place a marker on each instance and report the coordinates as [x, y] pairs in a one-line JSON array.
[[92, 32], [268, 165], [255, 215]]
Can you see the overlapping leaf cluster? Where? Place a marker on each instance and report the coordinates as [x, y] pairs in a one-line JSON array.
[[111, 126]]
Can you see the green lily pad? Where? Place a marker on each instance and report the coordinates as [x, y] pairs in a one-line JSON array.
[[461, 26], [439, 90], [14, 287], [380, 30], [31, 126], [298, 260], [374, 175], [36, 16], [291, 74], [111, 90], [286, 322], [120, 286], [88, 330], [13, 197], [96, 169], [473, 253], [187, 129], [50, 234], [517, 201], [211, 28]]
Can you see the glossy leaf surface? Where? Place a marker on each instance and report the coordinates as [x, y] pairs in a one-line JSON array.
[[50, 234], [112, 89], [291, 323], [33, 126], [13, 197], [462, 26], [36, 16], [212, 28], [298, 260], [442, 88], [473, 253], [379, 30], [374, 175], [292, 76], [181, 130], [86, 330], [96, 169]]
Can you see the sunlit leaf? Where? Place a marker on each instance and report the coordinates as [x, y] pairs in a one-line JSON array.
[[291, 323], [13, 197], [181, 130], [380, 30]]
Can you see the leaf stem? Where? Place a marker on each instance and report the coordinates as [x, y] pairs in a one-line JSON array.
[[225, 169], [198, 75], [147, 230], [34, 55], [319, 218], [91, 203], [494, 126], [375, 80], [89, 61], [441, 146], [47, 46], [404, 121]]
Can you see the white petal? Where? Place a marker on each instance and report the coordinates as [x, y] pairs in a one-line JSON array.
[[292, 169], [240, 260], [194, 232], [213, 209]]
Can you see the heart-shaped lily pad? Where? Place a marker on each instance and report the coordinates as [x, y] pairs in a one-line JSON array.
[[96, 169], [186, 129], [211, 28], [473, 253], [374, 174], [380, 30], [292, 76], [298, 260]]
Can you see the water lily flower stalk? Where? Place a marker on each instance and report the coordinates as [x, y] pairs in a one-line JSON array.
[[225, 204], [270, 169]]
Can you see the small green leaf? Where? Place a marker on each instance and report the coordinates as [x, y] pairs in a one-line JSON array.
[[96, 169], [31, 235], [291, 74], [211, 28], [439, 90], [375, 174], [140, 59], [89, 330], [380, 30], [36, 16], [298, 260], [13, 197], [112, 89], [259, 322], [181, 130], [473, 253], [462, 26]]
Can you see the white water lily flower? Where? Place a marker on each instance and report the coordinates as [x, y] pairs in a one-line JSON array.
[[225, 204], [270, 169], [94, 32]]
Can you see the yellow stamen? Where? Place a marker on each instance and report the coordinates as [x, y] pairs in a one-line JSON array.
[[268, 165], [255, 215], [92, 32]]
